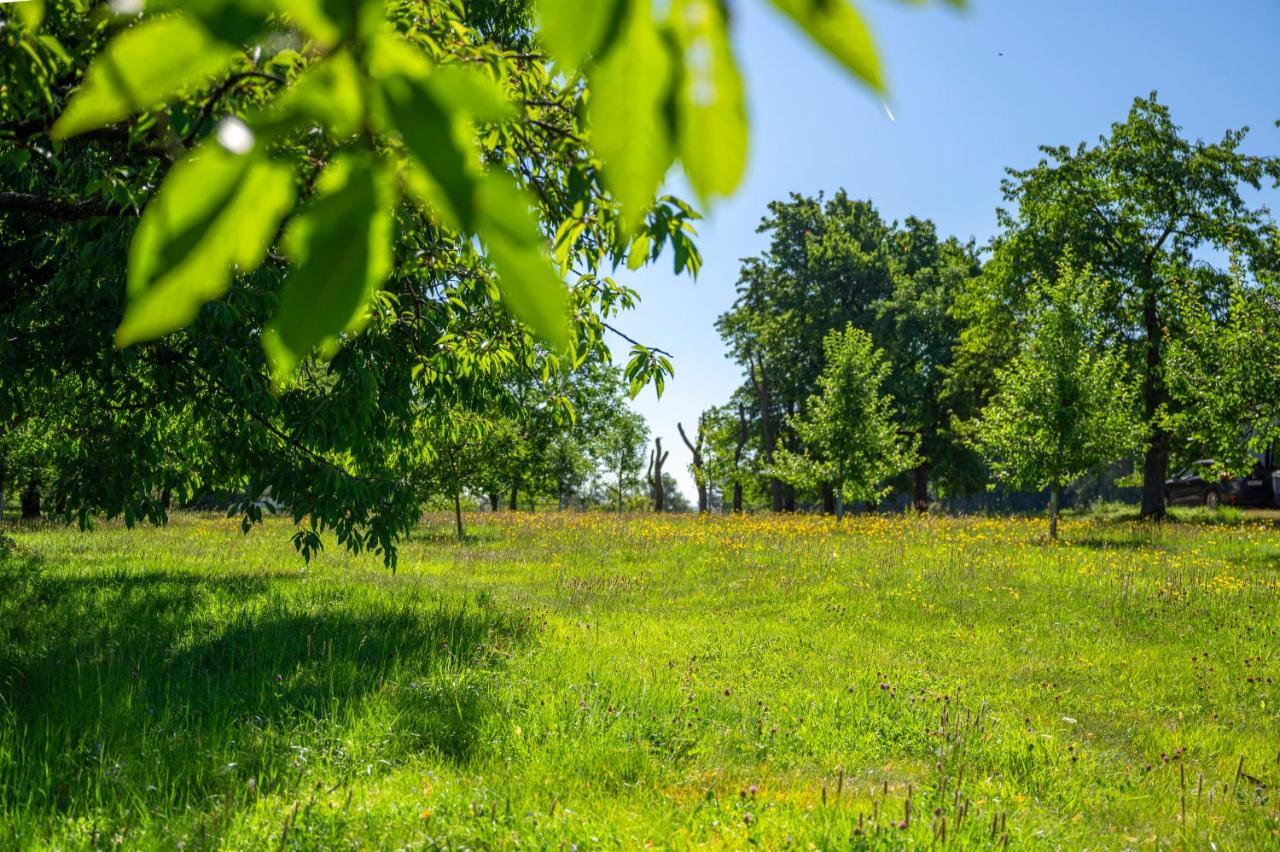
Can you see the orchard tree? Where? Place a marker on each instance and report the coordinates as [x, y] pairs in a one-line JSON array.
[[1064, 404], [622, 452], [1225, 373], [836, 261], [851, 439], [1147, 210]]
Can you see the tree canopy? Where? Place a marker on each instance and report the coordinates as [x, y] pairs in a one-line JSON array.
[[1151, 213]]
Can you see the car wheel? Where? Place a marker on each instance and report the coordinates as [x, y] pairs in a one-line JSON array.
[[1211, 499]]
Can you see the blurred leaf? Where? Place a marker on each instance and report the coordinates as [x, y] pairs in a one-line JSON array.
[[530, 288], [431, 135], [327, 94], [30, 14], [839, 29], [629, 128], [322, 21], [467, 91], [215, 212], [572, 29], [140, 69], [341, 250], [712, 106]]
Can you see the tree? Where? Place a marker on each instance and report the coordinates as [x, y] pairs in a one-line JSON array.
[[657, 458], [1064, 405], [835, 262], [1147, 210], [348, 211], [851, 440], [1224, 376], [726, 466], [622, 446], [673, 499], [698, 464]]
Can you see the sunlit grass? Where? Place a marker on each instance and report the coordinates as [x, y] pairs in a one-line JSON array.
[[584, 679]]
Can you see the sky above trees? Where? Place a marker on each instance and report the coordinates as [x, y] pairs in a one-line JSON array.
[[971, 93]]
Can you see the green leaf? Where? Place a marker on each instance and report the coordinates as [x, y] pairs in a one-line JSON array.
[[140, 69], [30, 14], [629, 129], [572, 29], [341, 250], [712, 106], [326, 95], [432, 135], [840, 31], [215, 212], [530, 288], [467, 91]]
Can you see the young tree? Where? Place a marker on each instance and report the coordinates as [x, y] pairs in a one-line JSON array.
[[1064, 404], [1147, 210], [851, 440], [621, 447]]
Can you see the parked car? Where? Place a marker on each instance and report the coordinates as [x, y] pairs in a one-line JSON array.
[[1202, 484]]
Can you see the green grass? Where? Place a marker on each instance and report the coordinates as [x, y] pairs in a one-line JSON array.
[[582, 680]]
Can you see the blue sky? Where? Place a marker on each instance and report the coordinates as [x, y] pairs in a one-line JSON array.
[[963, 112]]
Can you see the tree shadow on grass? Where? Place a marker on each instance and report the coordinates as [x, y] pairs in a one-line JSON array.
[[183, 692]]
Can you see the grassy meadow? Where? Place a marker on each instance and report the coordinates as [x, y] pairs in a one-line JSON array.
[[563, 681]]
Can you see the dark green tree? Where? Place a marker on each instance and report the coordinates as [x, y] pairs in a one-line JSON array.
[[1147, 210]]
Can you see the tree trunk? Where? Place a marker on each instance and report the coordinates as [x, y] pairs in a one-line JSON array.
[[1155, 464], [166, 498], [769, 439], [493, 502], [737, 458], [839, 505], [828, 499], [657, 458], [31, 500], [1053, 511], [457, 514], [699, 474], [514, 504], [922, 487]]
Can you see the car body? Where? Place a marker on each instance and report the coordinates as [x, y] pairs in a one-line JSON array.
[[1201, 483]]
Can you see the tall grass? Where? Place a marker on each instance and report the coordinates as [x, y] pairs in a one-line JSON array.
[[588, 680]]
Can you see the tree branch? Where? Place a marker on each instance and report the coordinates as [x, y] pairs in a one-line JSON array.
[[56, 208]]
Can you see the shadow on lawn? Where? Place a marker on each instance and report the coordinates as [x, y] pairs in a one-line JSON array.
[[172, 691]]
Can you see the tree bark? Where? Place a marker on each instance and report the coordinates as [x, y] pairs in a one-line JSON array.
[[514, 504], [737, 458], [1053, 511], [657, 458], [166, 498], [493, 502], [828, 499], [1155, 463], [31, 500], [457, 514], [699, 473], [760, 379], [922, 487]]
